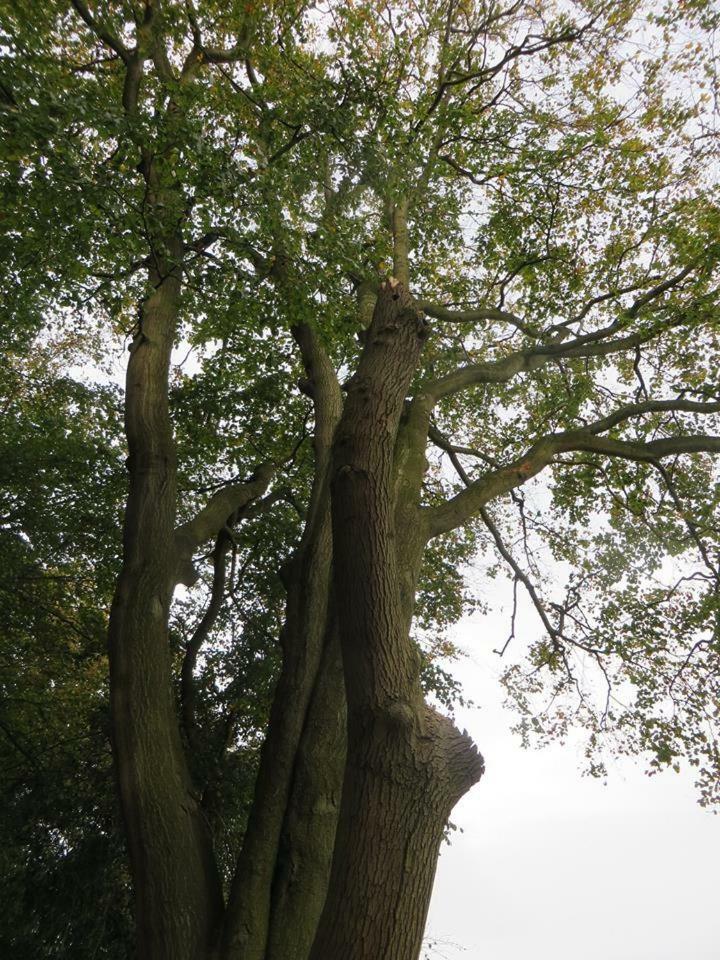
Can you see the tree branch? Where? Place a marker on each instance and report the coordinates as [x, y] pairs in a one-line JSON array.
[[101, 31], [440, 312], [188, 692], [466, 504], [214, 515], [598, 343], [555, 633], [678, 405], [500, 371], [223, 542]]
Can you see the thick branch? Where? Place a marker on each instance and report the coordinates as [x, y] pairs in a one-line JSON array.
[[440, 312], [500, 371], [231, 55], [466, 504], [201, 54], [132, 58], [401, 245], [215, 513]]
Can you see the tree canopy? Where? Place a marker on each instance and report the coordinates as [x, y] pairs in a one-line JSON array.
[[399, 286]]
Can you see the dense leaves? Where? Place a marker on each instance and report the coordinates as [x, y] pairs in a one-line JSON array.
[[554, 168]]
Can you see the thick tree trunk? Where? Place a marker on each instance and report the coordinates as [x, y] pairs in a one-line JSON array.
[[177, 889], [406, 765], [402, 779]]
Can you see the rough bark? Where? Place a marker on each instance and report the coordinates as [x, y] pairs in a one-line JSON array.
[[406, 765]]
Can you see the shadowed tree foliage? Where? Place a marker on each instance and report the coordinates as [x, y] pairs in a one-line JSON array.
[[389, 287]]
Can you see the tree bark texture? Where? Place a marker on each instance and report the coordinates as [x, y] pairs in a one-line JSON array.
[[305, 854], [406, 765]]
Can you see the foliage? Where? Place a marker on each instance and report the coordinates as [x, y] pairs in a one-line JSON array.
[[556, 164]]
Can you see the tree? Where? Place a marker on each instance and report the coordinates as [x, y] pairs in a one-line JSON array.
[[395, 238]]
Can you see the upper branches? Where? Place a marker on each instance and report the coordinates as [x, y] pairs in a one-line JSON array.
[[102, 31], [152, 42], [470, 501], [598, 343], [202, 53], [464, 59]]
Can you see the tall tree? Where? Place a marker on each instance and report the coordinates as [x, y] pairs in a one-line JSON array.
[[418, 255]]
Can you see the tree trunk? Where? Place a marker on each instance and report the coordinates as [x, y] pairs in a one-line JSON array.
[[406, 765], [305, 637], [402, 779], [177, 888], [305, 855], [248, 914]]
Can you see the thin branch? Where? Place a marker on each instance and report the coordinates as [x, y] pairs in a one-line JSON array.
[[555, 633], [188, 690], [598, 343], [223, 542], [101, 31], [444, 444]]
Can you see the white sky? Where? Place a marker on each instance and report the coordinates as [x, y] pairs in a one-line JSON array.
[[555, 866]]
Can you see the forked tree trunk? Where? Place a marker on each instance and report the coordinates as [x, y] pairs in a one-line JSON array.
[[349, 592], [406, 765]]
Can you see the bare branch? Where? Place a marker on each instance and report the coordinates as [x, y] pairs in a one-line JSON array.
[[651, 406], [500, 371], [223, 542], [440, 441], [519, 575], [690, 524]]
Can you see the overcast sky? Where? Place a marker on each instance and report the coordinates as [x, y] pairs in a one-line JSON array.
[[556, 866]]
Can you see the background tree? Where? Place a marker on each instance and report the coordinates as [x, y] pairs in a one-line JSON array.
[[414, 257]]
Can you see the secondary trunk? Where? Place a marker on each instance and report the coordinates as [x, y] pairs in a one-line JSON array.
[[301, 760], [305, 854]]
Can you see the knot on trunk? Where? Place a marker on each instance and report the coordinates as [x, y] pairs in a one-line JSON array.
[[458, 759]]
